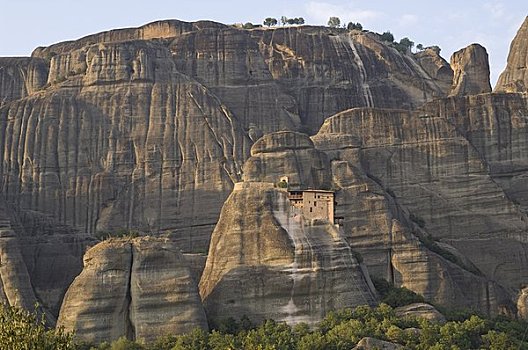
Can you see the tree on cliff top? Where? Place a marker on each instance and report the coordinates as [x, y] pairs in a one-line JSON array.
[[334, 22], [270, 22]]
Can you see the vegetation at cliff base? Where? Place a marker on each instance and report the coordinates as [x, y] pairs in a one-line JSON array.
[[24, 330], [343, 329]]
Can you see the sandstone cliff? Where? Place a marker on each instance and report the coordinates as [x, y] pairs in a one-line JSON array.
[[20, 77], [132, 123], [139, 288], [149, 128], [515, 76], [264, 262], [471, 71], [358, 148], [39, 259], [437, 68]]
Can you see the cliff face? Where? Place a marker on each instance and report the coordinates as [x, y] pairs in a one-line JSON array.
[[150, 129], [515, 76], [131, 124], [387, 226], [265, 262], [438, 171], [140, 288], [20, 77], [40, 258]]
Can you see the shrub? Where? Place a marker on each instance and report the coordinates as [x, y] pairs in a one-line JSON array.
[[248, 25], [282, 184], [394, 296], [334, 22], [21, 329], [387, 36], [354, 26], [270, 22], [119, 233]]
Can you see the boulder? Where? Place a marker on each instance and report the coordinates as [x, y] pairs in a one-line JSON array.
[[421, 310], [369, 343]]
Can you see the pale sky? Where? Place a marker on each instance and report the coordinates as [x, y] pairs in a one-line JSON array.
[[452, 25]]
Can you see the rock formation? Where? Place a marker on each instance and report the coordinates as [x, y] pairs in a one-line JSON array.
[[15, 286], [129, 124], [264, 262], [150, 128], [39, 259], [522, 304], [515, 76], [21, 77], [139, 288], [369, 343], [437, 68], [422, 310], [471, 71]]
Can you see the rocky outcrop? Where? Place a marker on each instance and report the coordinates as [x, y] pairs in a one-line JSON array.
[[264, 262], [436, 161], [20, 77], [39, 259], [139, 288], [362, 146], [15, 286], [471, 71], [515, 76], [288, 154], [522, 303], [437, 67], [369, 343], [420, 310]]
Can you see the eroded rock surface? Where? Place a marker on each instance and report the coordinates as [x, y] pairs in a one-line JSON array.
[[515, 76], [138, 288], [264, 262], [471, 71], [437, 67], [132, 123], [421, 310]]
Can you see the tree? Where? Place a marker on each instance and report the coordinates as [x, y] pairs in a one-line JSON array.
[[270, 22], [284, 20], [334, 22], [420, 47], [21, 329], [248, 25], [387, 36], [291, 21], [354, 26], [300, 20], [407, 43]]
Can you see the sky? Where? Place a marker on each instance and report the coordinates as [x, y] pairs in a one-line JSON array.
[[452, 25]]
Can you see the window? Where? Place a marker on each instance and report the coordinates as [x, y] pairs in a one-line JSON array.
[[315, 204], [311, 209]]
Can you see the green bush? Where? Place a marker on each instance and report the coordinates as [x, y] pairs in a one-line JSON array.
[[118, 233], [248, 25], [334, 22], [342, 329], [21, 330], [387, 36], [394, 296]]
